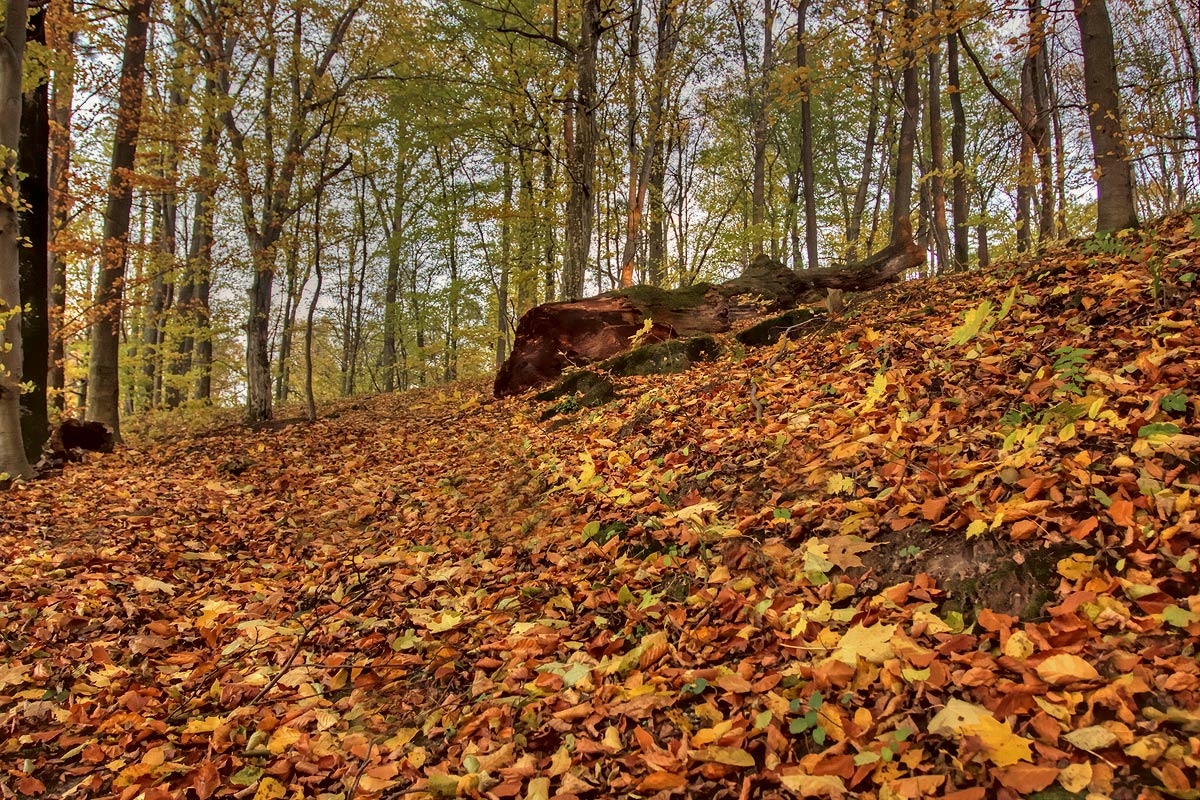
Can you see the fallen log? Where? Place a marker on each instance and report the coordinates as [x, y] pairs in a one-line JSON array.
[[555, 336]]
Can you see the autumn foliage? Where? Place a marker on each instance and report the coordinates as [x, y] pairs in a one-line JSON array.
[[775, 575]]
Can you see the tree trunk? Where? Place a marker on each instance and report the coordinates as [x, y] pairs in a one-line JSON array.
[[1115, 208], [581, 153], [906, 147], [61, 100], [192, 302], [807, 169], [760, 129], [1039, 129], [33, 162], [937, 163], [103, 403], [310, 400], [958, 154], [506, 253], [854, 228], [13, 462]]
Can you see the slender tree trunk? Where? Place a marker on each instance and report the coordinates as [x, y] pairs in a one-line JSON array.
[[1039, 130], [61, 100], [958, 154], [103, 376], [581, 153], [854, 229], [906, 147], [13, 462], [1115, 208], [391, 286], [1025, 176], [1189, 48], [1060, 152], [762, 107], [33, 161], [310, 400], [192, 302], [506, 252], [807, 170], [937, 163]]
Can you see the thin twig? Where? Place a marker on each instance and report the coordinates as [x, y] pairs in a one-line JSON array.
[[758, 407]]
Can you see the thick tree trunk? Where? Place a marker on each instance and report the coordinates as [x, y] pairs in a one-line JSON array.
[[1115, 208], [13, 462], [33, 163], [103, 403]]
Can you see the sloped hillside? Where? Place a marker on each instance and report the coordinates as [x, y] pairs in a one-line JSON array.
[[942, 546]]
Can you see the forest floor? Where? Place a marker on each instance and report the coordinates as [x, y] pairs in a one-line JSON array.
[[945, 545]]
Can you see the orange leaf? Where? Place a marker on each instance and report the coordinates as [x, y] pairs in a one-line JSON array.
[[1026, 778], [1084, 529], [206, 779], [933, 508], [658, 781], [1121, 512]]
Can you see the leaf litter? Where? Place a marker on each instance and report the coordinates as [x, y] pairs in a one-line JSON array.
[[694, 591]]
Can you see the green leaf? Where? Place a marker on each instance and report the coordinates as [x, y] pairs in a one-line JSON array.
[[247, 775], [1179, 617], [590, 530], [624, 596], [695, 687], [972, 322], [1156, 428], [783, 513], [1175, 401]]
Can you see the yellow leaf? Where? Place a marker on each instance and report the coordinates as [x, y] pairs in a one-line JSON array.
[[369, 783], [1003, 747], [1019, 646], [872, 643], [560, 762], [204, 725], [802, 785], [955, 717], [1065, 668], [1091, 738], [539, 789], [977, 528], [143, 584], [1075, 566], [449, 620], [283, 738], [269, 789], [1149, 748], [1075, 777], [733, 756]]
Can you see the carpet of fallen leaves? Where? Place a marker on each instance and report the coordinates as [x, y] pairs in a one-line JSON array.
[[436, 594]]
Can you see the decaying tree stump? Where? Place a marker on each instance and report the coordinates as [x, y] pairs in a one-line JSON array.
[[554, 336], [71, 438]]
